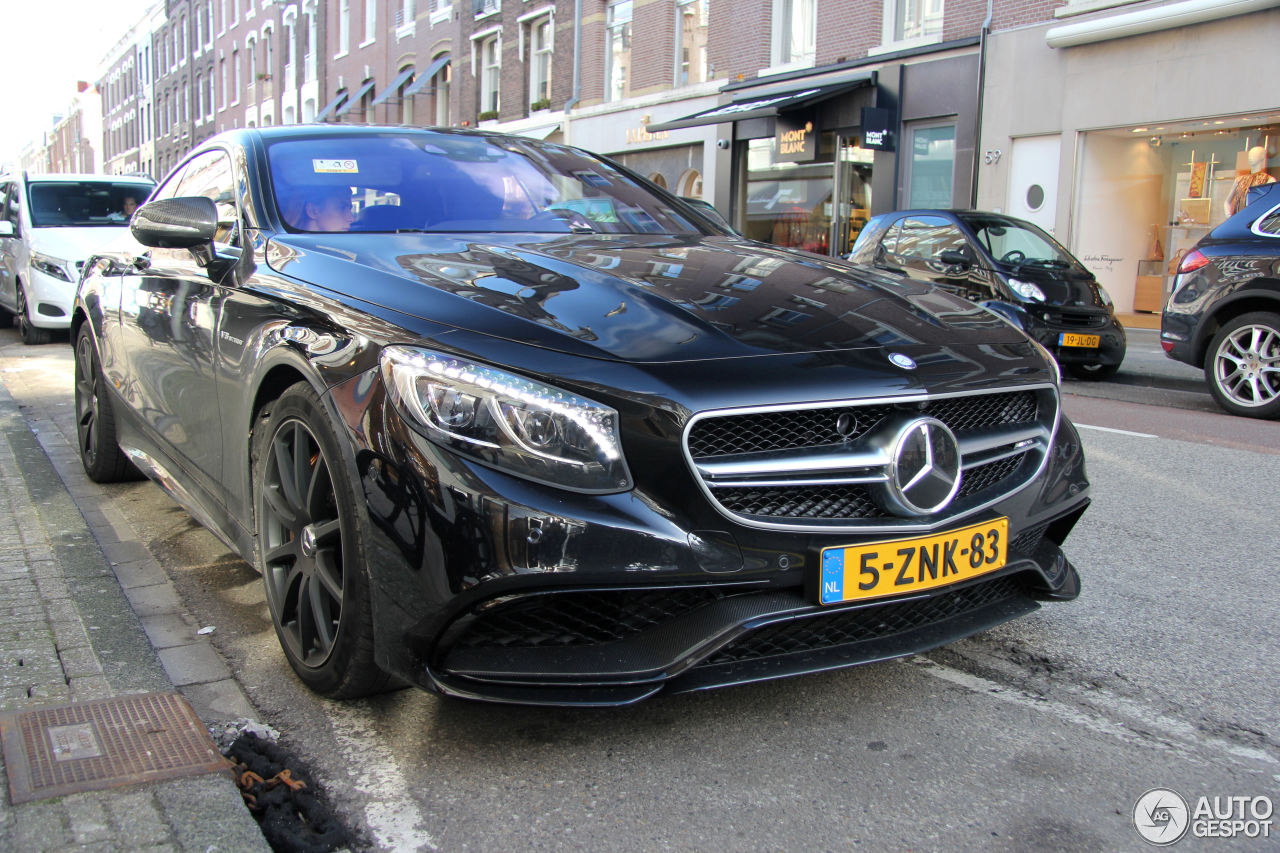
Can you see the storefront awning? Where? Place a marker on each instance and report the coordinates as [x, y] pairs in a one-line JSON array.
[[393, 87], [355, 98], [330, 107], [424, 79], [769, 101], [538, 132]]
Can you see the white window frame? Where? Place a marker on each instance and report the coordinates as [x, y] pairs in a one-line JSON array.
[[344, 28], [528, 22], [780, 36], [681, 5], [370, 23], [478, 41], [889, 20], [609, 28]]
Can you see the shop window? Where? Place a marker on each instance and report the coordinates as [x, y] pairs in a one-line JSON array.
[[795, 32], [691, 27], [931, 167], [658, 179], [618, 52], [787, 204], [440, 87]]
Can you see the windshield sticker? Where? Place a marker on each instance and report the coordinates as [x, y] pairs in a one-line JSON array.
[[591, 179], [330, 167]]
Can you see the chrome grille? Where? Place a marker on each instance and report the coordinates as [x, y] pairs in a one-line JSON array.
[[790, 467]]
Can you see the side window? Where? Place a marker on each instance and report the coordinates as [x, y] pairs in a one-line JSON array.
[[210, 175], [169, 188], [890, 241], [925, 237], [7, 212], [1270, 224]]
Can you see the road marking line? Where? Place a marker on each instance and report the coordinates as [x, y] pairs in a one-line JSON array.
[[1118, 431], [390, 813], [1154, 729]]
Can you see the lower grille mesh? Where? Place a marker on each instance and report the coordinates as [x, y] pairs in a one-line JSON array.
[[867, 623], [582, 618]]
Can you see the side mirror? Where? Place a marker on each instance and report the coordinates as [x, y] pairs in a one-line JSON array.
[[7, 229], [176, 223], [955, 258]]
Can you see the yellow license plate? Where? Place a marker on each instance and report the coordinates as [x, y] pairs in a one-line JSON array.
[[898, 566], [1071, 339]]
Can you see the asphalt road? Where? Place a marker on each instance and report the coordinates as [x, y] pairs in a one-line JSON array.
[[1040, 734]]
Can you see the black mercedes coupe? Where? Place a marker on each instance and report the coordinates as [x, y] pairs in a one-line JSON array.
[[501, 419]]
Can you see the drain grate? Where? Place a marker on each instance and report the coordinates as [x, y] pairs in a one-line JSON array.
[[105, 743]]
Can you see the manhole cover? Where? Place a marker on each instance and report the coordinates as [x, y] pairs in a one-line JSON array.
[[49, 752]]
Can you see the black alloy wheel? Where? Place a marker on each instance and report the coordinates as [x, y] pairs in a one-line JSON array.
[[32, 335], [101, 456], [1242, 365], [1092, 371], [308, 553]]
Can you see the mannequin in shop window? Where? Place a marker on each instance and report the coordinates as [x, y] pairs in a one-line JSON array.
[[1257, 177]]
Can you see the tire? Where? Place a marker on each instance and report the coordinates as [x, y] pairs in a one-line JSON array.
[[309, 550], [32, 335], [1092, 371], [1242, 365], [101, 456]]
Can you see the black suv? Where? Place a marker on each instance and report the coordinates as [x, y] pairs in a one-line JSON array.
[[1224, 313], [1010, 266]]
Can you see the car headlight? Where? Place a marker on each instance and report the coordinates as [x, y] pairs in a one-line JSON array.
[[1026, 290], [1104, 296], [51, 267], [507, 421]]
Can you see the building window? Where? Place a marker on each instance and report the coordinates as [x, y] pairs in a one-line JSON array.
[[912, 21], [209, 103], [222, 79], [199, 97], [370, 20], [344, 26], [490, 76], [269, 53], [540, 48], [691, 34], [440, 89], [931, 169], [406, 101], [235, 71], [618, 52], [795, 32], [251, 54]]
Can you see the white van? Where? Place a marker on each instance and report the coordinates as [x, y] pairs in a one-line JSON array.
[[49, 225]]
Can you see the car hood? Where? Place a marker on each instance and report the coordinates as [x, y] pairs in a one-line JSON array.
[[639, 298], [73, 244]]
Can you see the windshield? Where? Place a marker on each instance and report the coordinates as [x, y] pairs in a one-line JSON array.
[[442, 182], [83, 204], [1018, 243]]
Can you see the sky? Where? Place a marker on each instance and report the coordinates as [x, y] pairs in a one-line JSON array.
[[48, 46]]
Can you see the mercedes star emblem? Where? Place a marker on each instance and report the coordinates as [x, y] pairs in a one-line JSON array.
[[924, 474], [906, 362]]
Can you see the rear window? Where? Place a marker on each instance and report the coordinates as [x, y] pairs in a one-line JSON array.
[[83, 204], [1270, 224], [441, 182]]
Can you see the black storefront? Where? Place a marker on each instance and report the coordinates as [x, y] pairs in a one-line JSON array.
[[816, 153]]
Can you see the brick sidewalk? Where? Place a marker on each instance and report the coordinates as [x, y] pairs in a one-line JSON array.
[[70, 633]]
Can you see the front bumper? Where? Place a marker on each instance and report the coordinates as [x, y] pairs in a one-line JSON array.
[[49, 300], [490, 587], [1111, 349]]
